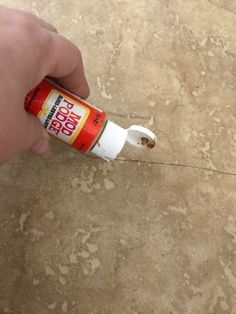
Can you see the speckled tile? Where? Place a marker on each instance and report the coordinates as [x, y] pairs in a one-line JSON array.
[[153, 232]]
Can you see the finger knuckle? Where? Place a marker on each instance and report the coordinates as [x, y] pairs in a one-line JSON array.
[[26, 22], [47, 38]]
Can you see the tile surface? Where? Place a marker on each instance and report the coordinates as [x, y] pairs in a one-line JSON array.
[[153, 232]]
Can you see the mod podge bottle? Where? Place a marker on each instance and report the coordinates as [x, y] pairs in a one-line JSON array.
[[77, 123]]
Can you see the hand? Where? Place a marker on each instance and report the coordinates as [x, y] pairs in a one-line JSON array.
[[30, 50]]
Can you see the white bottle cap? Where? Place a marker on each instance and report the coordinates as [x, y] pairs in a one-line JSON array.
[[114, 137]]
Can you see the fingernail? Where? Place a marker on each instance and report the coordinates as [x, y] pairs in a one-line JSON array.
[[41, 148]]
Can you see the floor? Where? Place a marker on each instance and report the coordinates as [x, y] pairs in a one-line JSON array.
[[154, 232]]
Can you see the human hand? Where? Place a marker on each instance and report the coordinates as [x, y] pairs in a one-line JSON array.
[[30, 50]]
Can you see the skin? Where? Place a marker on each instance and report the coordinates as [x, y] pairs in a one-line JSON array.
[[30, 50]]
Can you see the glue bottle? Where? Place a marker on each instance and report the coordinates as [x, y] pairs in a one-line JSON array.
[[80, 124]]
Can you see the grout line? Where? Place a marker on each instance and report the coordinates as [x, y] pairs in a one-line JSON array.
[[162, 163], [221, 7]]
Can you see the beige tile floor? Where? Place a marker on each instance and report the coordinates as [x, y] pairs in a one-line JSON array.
[[157, 236]]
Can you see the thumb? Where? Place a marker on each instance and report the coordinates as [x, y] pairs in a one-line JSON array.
[[35, 137]]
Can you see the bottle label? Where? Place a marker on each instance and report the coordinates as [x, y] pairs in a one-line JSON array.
[[62, 116], [65, 115]]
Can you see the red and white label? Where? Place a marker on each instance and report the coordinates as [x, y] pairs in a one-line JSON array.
[[65, 115], [62, 116]]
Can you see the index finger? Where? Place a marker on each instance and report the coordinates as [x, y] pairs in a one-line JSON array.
[[66, 65]]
